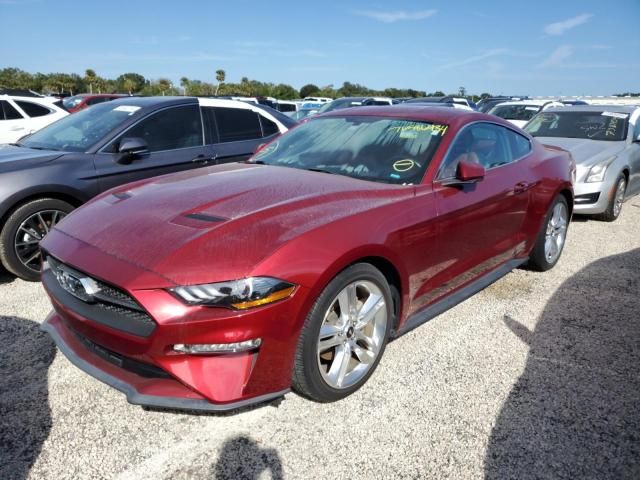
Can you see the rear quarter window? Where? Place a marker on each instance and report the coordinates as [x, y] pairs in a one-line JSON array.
[[33, 109]]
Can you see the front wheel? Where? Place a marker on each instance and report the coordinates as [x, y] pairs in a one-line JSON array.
[[344, 335], [22, 232], [617, 199], [550, 242]]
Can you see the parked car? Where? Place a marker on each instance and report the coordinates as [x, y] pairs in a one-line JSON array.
[[486, 104], [303, 113], [20, 116], [448, 101], [48, 174], [84, 100], [521, 111], [286, 106], [348, 102], [605, 143], [222, 287], [317, 99]]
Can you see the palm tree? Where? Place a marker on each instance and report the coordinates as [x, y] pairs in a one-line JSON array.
[[90, 78], [220, 77], [164, 84], [128, 85], [184, 83]]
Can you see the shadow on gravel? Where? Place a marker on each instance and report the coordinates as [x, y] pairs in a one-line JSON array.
[[6, 277], [575, 411], [242, 458], [25, 419]]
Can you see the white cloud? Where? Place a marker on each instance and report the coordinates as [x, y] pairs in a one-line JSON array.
[[558, 28], [488, 54], [396, 16], [558, 56]]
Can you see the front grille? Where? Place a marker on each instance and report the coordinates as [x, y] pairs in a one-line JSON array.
[[139, 368], [97, 300]]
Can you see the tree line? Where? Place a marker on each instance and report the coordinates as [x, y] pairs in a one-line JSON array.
[[136, 84]]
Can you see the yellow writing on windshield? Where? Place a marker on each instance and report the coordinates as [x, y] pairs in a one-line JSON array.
[[435, 129]]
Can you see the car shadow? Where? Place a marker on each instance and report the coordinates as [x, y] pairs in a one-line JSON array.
[[6, 277], [242, 458], [575, 411], [25, 418]]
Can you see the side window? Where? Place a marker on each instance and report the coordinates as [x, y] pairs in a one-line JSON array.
[[33, 109], [636, 131], [520, 145], [210, 128], [482, 143], [268, 127], [236, 124], [10, 113], [170, 129], [93, 101]]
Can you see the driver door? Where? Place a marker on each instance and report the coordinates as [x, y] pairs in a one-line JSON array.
[[175, 140]]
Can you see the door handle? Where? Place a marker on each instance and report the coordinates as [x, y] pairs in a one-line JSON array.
[[203, 159], [521, 187]]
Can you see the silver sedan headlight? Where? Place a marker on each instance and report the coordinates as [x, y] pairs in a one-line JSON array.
[[598, 171]]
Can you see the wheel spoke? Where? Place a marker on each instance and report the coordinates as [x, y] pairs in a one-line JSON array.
[[35, 255], [369, 309], [31, 232], [340, 364], [329, 337], [364, 356], [28, 242], [348, 301], [43, 223]]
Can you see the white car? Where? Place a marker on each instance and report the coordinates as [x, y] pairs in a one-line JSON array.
[[20, 116], [520, 112], [317, 99]]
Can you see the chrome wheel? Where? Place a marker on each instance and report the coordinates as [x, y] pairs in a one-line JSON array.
[[30, 232], [619, 197], [352, 333], [556, 232]]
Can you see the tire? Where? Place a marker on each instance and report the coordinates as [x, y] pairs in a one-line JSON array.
[[543, 256], [614, 207], [316, 372], [12, 235]]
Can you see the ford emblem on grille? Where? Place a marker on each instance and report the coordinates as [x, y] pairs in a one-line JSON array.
[[78, 285]]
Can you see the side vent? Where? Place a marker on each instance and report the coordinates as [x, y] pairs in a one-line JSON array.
[[204, 217]]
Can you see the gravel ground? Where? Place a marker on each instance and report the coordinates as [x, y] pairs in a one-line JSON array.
[[537, 376]]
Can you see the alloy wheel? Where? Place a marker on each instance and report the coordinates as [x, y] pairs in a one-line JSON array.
[[556, 232], [619, 197], [31, 232], [352, 334]]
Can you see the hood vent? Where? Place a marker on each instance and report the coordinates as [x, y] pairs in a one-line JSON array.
[[204, 217]]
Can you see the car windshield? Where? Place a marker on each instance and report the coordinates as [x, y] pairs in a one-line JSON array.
[[71, 102], [340, 103], [378, 149], [515, 112], [79, 131], [593, 125]]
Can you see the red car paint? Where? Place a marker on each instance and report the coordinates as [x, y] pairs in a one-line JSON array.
[[300, 226]]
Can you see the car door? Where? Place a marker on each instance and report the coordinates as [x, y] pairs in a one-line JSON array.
[[481, 223], [234, 134], [13, 124], [175, 142], [634, 157]]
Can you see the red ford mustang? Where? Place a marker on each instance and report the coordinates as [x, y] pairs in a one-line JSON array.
[[217, 288]]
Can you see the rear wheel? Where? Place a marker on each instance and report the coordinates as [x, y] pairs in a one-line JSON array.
[[22, 232], [550, 243], [344, 335], [617, 199]]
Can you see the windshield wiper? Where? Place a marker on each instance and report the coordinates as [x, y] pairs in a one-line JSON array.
[[15, 144]]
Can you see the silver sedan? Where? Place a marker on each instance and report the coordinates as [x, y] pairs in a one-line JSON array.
[[605, 143]]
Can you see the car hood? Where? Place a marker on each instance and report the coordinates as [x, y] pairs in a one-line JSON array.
[[12, 157], [585, 152], [219, 223]]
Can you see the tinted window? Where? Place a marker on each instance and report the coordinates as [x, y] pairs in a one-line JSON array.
[[170, 129], [591, 125], [33, 109], [368, 148], [515, 112], [482, 143], [210, 129], [268, 127], [520, 145], [236, 124], [286, 107], [93, 101], [10, 113]]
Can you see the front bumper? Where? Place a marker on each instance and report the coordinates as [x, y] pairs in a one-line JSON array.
[[150, 392], [593, 198]]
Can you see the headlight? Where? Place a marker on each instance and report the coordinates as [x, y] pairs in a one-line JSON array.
[[597, 172], [238, 294]]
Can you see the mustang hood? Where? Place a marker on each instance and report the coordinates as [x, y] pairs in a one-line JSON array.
[[229, 218], [585, 152], [12, 157]]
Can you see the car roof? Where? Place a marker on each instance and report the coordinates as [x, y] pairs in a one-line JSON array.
[[597, 108], [47, 100], [537, 103], [143, 102]]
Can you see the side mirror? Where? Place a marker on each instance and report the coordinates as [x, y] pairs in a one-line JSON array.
[[130, 148], [470, 171]]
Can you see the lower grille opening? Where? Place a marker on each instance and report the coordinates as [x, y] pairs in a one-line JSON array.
[[134, 366], [587, 198]]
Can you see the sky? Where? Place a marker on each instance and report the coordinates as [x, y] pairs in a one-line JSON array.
[[559, 47]]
